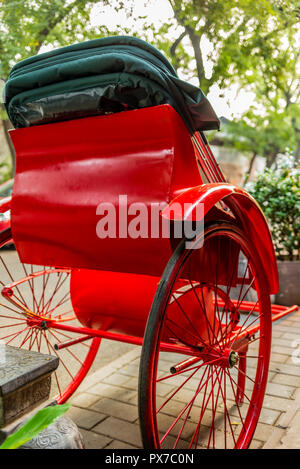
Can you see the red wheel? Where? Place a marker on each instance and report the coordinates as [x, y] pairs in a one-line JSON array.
[[31, 297], [212, 397]]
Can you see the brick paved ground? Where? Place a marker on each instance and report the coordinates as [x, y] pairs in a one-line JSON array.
[[105, 406]]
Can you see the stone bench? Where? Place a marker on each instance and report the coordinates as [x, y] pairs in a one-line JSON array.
[[25, 383]]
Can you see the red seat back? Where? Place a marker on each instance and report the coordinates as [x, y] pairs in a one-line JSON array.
[[65, 170]]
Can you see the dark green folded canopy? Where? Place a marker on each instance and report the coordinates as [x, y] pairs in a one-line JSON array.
[[99, 77]]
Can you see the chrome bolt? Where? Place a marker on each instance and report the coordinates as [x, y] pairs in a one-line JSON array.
[[233, 359]]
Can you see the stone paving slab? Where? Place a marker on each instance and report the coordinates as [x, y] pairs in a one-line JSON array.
[[105, 405]]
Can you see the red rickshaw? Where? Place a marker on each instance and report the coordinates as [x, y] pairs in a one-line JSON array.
[[198, 305]]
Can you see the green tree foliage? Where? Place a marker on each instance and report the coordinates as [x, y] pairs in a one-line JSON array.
[[219, 42], [272, 72], [255, 44], [252, 44], [230, 27], [27, 25], [266, 135]]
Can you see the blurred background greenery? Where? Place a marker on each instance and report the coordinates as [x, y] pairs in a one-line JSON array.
[[242, 53]]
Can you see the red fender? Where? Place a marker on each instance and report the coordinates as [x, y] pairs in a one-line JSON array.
[[243, 206]]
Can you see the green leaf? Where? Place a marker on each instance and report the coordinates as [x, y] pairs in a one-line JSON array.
[[41, 420], [278, 193]]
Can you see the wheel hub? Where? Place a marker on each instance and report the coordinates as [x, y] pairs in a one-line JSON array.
[[226, 358], [39, 323], [233, 359]]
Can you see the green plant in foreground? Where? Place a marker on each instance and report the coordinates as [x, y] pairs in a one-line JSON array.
[[278, 193], [41, 420]]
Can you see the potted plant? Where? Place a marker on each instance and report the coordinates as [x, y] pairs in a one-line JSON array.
[[278, 193]]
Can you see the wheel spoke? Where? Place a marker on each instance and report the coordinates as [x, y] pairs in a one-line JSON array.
[[39, 291], [186, 316], [210, 329], [176, 391], [227, 301], [55, 373], [47, 306], [235, 398], [245, 374], [182, 412], [20, 312], [56, 287], [41, 305], [243, 329], [204, 407], [12, 325], [228, 416], [239, 387], [61, 361], [186, 418], [214, 410], [15, 334], [21, 299], [31, 286], [202, 307], [28, 336], [179, 338]]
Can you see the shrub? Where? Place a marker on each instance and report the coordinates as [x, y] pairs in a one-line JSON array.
[[278, 193]]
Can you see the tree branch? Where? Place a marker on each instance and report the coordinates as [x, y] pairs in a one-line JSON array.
[[174, 47], [195, 41], [42, 35]]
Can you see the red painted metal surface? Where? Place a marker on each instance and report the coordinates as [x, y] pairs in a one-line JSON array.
[[113, 301], [120, 302], [64, 170], [246, 210], [206, 160]]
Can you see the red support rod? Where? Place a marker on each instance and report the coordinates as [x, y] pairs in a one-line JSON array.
[[210, 153], [249, 305], [165, 346], [205, 153], [275, 317], [69, 343], [203, 161]]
